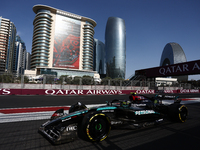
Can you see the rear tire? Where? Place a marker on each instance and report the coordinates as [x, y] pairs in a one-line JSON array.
[[178, 112], [96, 126]]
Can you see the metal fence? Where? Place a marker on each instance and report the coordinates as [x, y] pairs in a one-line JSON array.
[[51, 82]]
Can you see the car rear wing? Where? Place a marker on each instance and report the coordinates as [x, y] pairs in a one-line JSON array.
[[160, 97], [168, 97]]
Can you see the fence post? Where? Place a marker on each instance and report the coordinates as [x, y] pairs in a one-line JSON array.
[[149, 85], [80, 83], [1, 81], [62, 83], [44, 81], [69, 83], [22, 81], [131, 84], [95, 84]]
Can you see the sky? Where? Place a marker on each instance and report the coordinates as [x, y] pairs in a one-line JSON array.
[[150, 25]]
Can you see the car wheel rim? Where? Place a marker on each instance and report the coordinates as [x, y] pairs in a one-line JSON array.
[[98, 129], [183, 112]]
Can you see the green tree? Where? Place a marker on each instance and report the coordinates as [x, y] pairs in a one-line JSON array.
[[66, 79], [76, 80], [49, 79], [26, 80], [116, 81], [106, 80], [7, 78], [87, 80]]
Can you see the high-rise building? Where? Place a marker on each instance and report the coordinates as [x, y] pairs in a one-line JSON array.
[[115, 46], [28, 60], [99, 57], [19, 57], [62, 42], [7, 45], [173, 54], [11, 48]]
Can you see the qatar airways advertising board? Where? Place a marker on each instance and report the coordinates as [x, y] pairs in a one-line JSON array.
[[70, 92], [66, 42], [187, 68], [88, 92]]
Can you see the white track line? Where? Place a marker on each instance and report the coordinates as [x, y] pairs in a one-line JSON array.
[[17, 117]]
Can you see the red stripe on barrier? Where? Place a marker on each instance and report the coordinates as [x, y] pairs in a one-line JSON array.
[[28, 110], [188, 99]]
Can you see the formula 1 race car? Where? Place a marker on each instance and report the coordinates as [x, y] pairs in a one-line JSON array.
[[94, 124]]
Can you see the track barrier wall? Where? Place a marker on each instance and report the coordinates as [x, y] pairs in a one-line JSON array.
[[88, 92]]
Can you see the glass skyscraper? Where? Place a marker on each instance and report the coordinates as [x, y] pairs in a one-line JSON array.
[[173, 54], [99, 57], [19, 57], [115, 46]]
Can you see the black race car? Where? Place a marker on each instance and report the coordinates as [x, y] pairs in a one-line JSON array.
[[94, 124]]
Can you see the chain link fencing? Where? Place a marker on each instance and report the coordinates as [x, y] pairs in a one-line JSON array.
[[9, 81]]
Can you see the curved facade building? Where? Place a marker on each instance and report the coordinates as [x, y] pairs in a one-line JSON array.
[[41, 38], [99, 57], [88, 33], [115, 46], [173, 54], [61, 40]]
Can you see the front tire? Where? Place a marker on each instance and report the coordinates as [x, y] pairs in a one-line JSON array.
[[178, 112], [96, 126]]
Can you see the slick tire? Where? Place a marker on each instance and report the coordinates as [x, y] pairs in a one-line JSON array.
[[178, 112], [76, 107], [96, 126]]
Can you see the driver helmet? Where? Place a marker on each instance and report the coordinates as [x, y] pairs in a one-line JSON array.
[[134, 97]]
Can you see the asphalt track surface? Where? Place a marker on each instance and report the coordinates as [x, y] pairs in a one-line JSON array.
[[24, 136]]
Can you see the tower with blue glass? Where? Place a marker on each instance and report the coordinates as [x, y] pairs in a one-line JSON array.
[[115, 47], [99, 57]]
